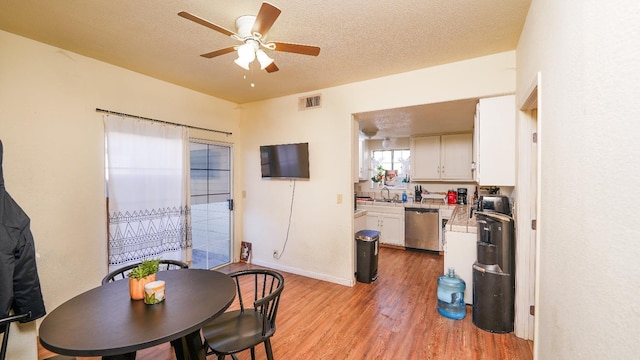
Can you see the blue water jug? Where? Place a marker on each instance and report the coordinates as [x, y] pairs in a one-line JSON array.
[[451, 296]]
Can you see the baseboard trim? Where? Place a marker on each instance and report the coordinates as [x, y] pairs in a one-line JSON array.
[[310, 274]]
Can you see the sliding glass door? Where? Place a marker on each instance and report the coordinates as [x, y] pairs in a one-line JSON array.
[[211, 204]]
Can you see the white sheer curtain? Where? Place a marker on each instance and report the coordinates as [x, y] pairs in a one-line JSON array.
[[148, 191]]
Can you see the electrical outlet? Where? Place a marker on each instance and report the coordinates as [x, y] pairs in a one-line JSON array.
[[275, 253]]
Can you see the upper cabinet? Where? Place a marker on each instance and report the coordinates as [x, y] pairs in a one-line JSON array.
[[355, 152], [360, 155], [442, 157], [363, 159], [425, 157], [456, 157], [494, 149]]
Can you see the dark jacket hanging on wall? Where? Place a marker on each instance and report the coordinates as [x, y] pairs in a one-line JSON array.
[[19, 282]]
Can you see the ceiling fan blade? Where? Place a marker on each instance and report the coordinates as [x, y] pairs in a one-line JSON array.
[[297, 48], [265, 18], [204, 22], [219, 52], [272, 68]]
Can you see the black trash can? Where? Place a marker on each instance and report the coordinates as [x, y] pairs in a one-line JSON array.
[[367, 255]]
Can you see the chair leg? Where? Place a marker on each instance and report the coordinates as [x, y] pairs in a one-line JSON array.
[[220, 357], [253, 353], [267, 348]]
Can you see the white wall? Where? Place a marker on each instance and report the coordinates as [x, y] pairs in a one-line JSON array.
[[588, 303], [321, 241], [54, 155]]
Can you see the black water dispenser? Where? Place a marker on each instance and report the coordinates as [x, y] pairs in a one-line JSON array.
[[494, 273]]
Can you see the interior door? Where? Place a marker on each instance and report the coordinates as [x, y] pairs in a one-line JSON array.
[[211, 204]]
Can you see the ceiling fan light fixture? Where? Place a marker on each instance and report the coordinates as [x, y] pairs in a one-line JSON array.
[[263, 59], [246, 55], [242, 64], [252, 32]]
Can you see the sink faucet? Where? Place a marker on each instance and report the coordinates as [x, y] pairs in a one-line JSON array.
[[388, 194]]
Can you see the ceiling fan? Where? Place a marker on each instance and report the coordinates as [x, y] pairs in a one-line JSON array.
[[252, 32]]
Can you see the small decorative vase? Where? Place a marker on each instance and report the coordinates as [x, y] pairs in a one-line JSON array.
[[380, 185], [136, 286], [154, 292]]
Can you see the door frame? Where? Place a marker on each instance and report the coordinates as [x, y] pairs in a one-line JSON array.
[[232, 243], [528, 209]]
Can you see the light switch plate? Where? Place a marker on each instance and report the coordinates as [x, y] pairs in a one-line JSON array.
[[339, 199]]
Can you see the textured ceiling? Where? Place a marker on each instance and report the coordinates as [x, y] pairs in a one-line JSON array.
[[444, 117], [359, 39]]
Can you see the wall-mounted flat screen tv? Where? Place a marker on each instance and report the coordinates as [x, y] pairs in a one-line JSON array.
[[286, 161]]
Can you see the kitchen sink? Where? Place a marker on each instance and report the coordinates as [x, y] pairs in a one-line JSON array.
[[395, 201]]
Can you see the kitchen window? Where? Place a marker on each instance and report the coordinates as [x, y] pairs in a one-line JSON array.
[[393, 160]]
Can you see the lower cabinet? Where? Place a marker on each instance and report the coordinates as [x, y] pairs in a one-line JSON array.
[[360, 223], [390, 225], [460, 254]]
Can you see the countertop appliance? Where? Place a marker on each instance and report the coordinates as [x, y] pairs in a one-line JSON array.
[[462, 196], [452, 197], [494, 203], [421, 229]]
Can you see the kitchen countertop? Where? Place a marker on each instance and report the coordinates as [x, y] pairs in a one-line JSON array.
[[428, 204], [360, 212], [460, 220]]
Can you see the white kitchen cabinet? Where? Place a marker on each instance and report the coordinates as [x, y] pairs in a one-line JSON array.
[[425, 157], [363, 159], [355, 152], [360, 222], [389, 220], [456, 157], [360, 155], [460, 253], [495, 141], [442, 157]]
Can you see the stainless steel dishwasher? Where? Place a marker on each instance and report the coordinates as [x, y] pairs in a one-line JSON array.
[[421, 229]]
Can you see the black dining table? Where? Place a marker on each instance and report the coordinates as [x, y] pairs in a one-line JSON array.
[[104, 321]]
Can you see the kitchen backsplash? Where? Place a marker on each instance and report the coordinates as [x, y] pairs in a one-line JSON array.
[[364, 189]]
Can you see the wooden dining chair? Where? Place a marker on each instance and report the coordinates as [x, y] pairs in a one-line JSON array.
[[5, 326], [121, 273], [254, 322]]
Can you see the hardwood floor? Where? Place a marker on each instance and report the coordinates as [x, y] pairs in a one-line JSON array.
[[393, 318]]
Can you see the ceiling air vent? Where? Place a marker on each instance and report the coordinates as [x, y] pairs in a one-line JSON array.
[[309, 102]]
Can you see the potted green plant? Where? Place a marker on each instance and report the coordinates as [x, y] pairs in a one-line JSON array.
[[142, 275], [379, 176]]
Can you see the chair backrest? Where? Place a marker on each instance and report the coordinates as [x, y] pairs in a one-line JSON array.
[[121, 273], [5, 325], [262, 288]]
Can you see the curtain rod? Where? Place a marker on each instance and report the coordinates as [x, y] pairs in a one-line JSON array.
[[162, 121]]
